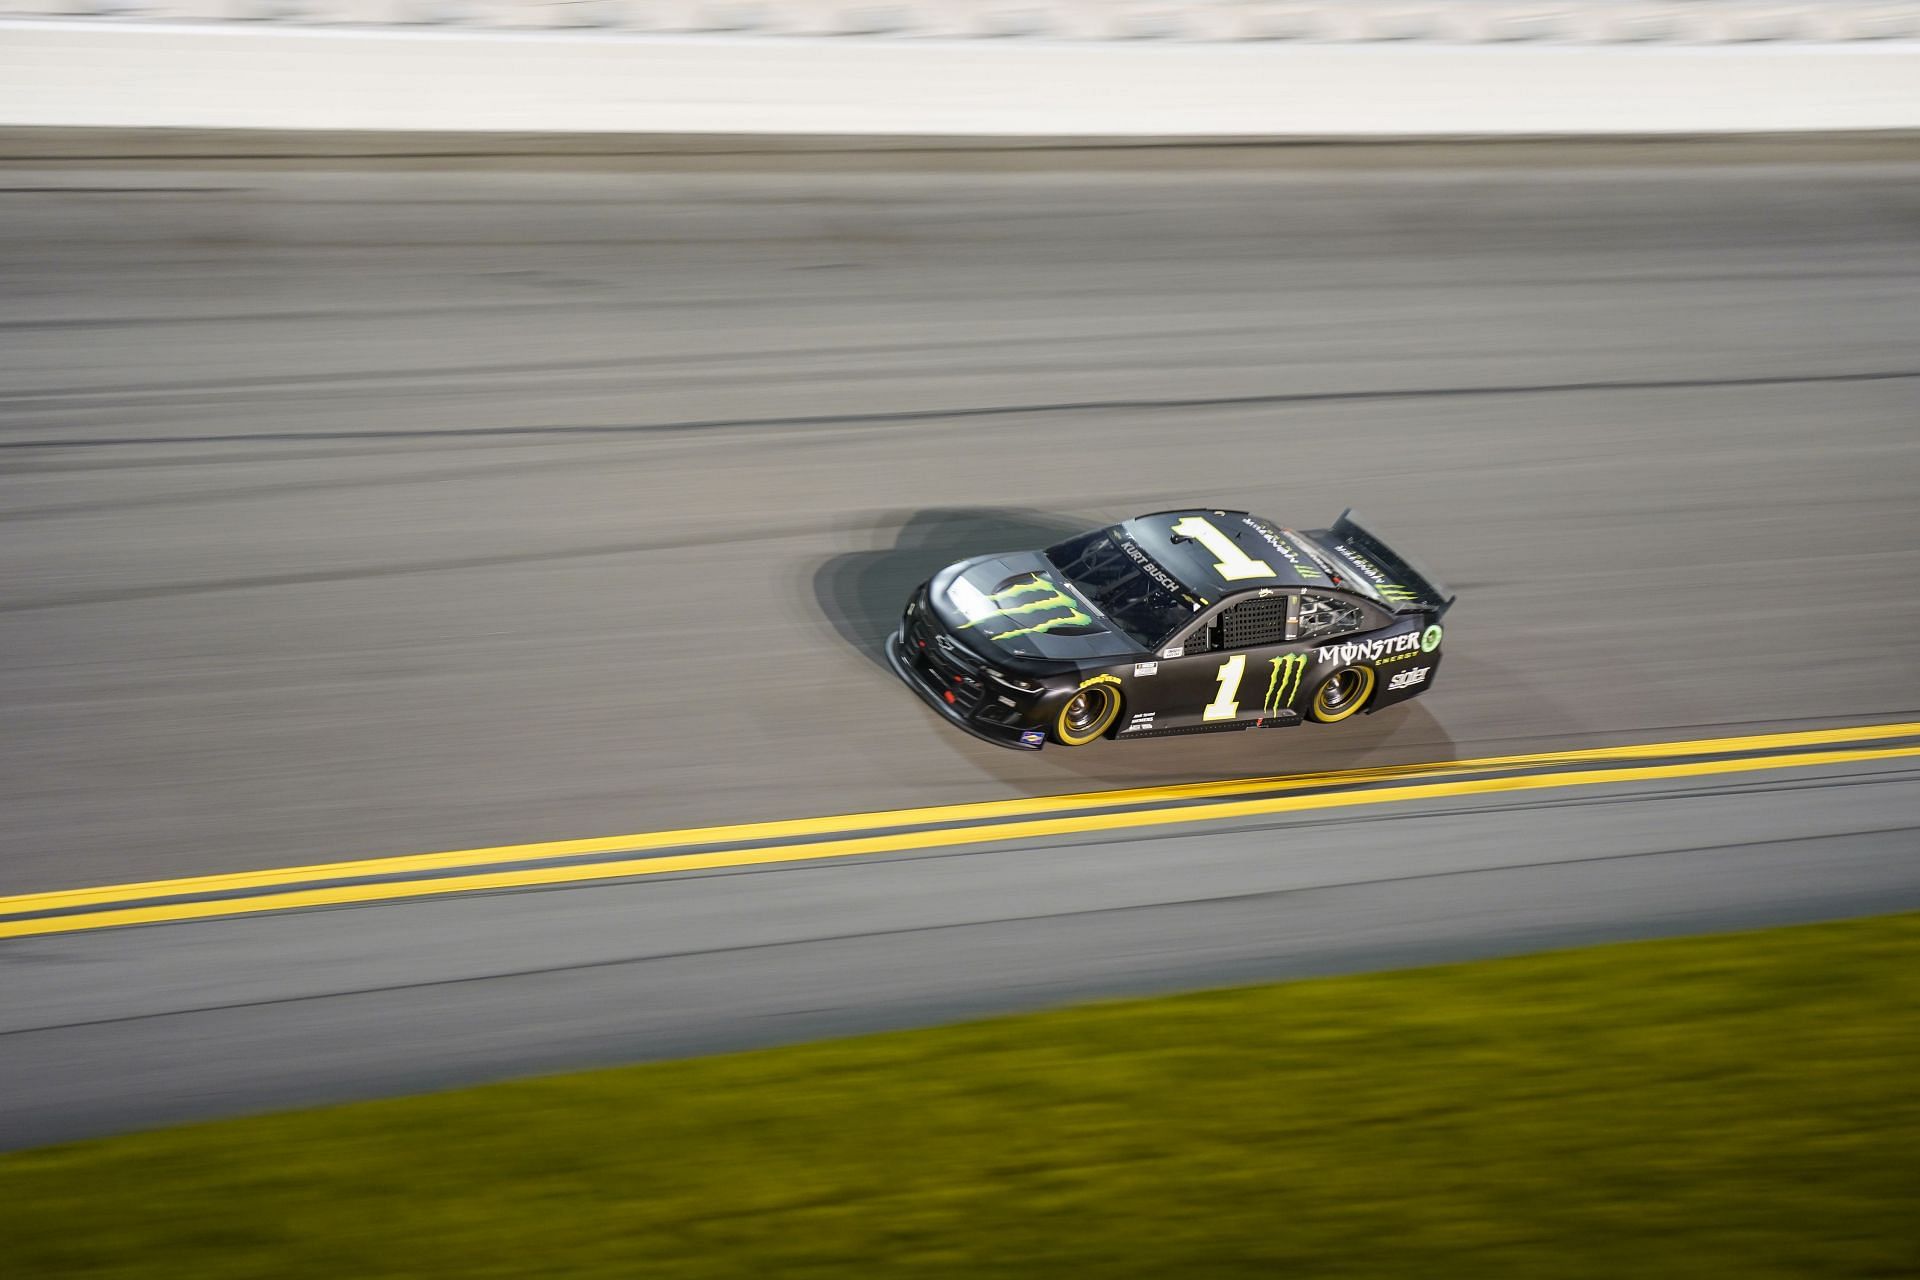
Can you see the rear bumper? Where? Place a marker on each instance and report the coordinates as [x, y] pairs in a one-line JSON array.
[[1014, 737]]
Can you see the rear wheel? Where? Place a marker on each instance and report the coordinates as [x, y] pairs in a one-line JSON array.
[[1087, 714], [1341, 694]]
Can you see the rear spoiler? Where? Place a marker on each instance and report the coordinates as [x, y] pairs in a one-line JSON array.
[[1400, 580]]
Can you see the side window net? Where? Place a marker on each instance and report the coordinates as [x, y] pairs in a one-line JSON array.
[[1322, 616], [1254, 622]]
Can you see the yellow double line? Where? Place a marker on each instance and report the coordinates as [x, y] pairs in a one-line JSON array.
[[293, 888]]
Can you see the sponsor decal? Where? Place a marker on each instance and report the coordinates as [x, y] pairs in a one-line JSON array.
[[1150, 568], [1371, 571], [1407, 679], [1374, 650], [1036, 607], [1398, 657], [1141, 720], [1382, 582], [1285, 546], [1100, 679], [1032, 737], [1175, 651], [1283, 686], [1146, 668], [1430, 639]]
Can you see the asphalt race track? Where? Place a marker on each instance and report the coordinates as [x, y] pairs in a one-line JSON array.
[[359, 508]]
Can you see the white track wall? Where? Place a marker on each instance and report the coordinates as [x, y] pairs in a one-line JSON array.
[[1429, 21], [253, 75]]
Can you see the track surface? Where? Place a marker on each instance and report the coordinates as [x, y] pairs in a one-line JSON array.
[[143, 1026], [351, 512]]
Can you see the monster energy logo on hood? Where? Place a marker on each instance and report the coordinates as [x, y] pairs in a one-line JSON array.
[[1029, 608], [1283, 686], [1371, 650]]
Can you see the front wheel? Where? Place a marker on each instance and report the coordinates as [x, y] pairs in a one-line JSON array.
[[1341, 694], [1088, 714]]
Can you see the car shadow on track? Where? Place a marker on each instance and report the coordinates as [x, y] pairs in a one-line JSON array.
[[862, 592]]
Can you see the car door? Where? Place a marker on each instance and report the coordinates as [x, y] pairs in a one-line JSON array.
[[1260, 668], [1234, 665]]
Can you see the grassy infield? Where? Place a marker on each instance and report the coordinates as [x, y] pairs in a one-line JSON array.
[[1740, 1106]]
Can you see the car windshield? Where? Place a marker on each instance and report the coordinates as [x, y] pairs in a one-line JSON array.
[[1131, 589]]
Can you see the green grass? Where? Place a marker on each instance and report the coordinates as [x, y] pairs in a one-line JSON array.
[[1744, 1106]]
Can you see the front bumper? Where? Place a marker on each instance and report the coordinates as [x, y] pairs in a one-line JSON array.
[[914, 674]]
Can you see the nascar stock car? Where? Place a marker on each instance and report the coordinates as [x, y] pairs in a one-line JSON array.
[[1170, 623]]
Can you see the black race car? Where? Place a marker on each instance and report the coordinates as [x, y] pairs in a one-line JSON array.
[[1175, 622]]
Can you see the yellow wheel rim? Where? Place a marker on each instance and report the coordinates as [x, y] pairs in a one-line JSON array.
[[1087, 715], [1342, 693]]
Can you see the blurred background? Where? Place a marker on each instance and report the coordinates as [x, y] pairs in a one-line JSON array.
[[446, 426]]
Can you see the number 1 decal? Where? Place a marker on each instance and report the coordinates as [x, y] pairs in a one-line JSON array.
[[1233, 563], [1224, 707]]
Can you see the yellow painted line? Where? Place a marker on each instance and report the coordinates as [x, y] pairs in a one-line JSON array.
[[938, 838], [61, 899]]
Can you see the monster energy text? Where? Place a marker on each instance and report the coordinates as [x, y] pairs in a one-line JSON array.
[[1371, 650]]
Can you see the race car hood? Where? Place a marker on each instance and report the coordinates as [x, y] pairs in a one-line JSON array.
[[1017, 605]]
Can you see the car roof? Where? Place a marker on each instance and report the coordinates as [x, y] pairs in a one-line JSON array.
[[1291, 558]]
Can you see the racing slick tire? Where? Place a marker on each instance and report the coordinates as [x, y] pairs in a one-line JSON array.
[[1087, 715], [1341, 694]]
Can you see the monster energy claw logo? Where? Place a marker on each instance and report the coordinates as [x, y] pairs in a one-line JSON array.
[[1013, 603], [1284, 684], [1394, 591]]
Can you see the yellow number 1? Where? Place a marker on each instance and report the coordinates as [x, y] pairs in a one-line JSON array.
[[1224, 707], [1234, 563]]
